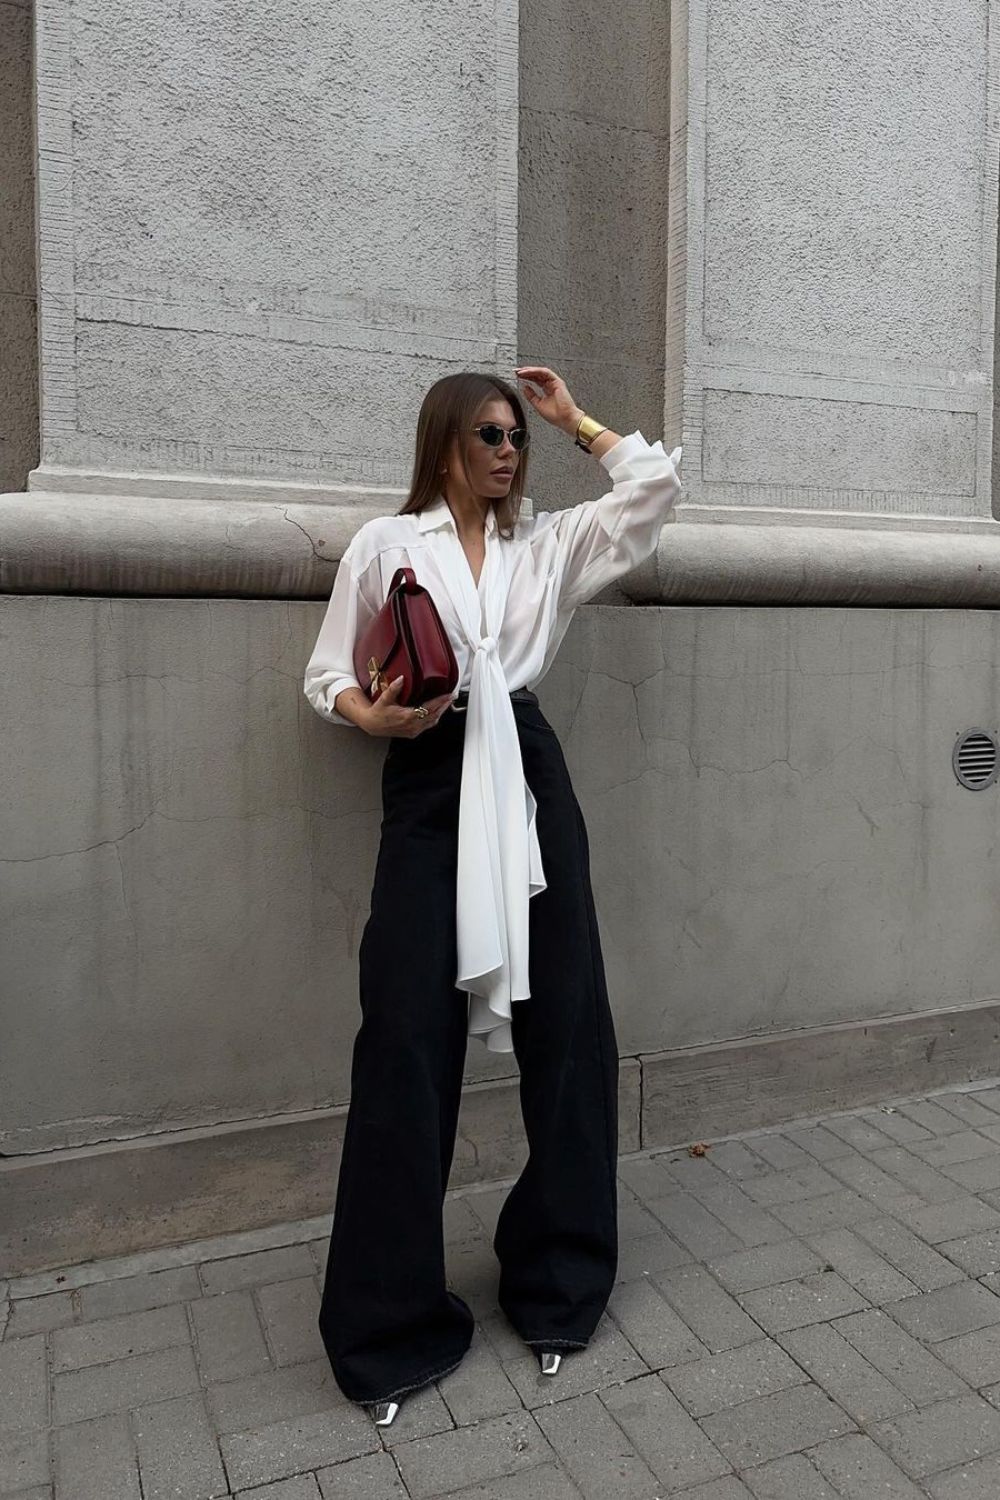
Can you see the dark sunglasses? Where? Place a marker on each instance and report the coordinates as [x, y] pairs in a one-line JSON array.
[[493, 435]]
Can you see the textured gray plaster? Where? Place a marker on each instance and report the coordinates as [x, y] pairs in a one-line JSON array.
[[18, 389], [17, 238], [18, 350], [835, 445], [592, 257], [269, 137], [852, 224], [305, 409], [278, 229], [262, 287], [833, 219]]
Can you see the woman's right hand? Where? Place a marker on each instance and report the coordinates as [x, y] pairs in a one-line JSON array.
[[387, 716]]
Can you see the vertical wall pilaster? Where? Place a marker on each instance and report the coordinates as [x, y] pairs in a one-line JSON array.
[[833, 231]]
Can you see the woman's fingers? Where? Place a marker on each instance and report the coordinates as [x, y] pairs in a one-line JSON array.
[[555, 402], [435, 708]]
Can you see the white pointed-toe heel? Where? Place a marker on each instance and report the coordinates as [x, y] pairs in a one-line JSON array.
[[384, 1412], [550, 1361]]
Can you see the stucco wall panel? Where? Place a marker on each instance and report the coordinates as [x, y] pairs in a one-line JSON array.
[[843, 176]]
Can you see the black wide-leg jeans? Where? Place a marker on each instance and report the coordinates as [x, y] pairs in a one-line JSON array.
[[388, 1320]]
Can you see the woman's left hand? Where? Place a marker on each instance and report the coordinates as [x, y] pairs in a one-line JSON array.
[[555, 404]]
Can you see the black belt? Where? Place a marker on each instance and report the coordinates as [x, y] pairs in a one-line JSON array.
[[519, 695]]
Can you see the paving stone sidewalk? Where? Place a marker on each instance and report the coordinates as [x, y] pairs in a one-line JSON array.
[[801, 1314]]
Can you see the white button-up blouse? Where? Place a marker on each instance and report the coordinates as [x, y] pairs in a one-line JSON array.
[[505, 633]]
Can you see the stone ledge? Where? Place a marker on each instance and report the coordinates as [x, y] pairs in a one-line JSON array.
[[208, 539], [730, 563], [168, 545]]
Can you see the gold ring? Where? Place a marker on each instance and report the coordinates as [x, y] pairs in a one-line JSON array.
[[421, 712]]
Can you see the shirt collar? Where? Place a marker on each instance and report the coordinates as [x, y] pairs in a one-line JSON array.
[[438, 513]]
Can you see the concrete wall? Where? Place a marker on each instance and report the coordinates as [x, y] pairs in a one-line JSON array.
[[592, 225], [778, 843], [266, 231], [833, 204], [259, 240], [18, 331]]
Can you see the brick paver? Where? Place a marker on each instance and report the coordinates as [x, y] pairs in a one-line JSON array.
[[804, 1313]]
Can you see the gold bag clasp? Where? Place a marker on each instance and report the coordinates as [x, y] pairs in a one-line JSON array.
[[378, 679]]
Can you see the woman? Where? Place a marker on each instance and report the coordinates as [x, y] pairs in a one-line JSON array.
[[482, 919]]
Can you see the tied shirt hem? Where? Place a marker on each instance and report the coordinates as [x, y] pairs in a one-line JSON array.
[[498, 817]]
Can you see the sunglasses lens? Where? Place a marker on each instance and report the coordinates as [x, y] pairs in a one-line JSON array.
[[493, 435]]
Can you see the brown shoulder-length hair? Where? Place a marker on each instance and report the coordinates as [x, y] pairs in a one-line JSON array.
[[449, 407]]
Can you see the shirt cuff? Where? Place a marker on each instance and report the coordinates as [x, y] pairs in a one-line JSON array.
[[634, 458], [625, 448]]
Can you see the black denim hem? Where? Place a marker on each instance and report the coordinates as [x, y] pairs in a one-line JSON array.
[[401, 1390], [546, 1343]]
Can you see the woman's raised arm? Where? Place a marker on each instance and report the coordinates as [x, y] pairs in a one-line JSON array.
[[599, 540]]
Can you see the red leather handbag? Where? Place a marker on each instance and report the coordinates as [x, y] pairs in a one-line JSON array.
[[406, 637]]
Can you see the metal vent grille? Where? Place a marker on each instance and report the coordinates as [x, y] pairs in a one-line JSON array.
[[975, 759]]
